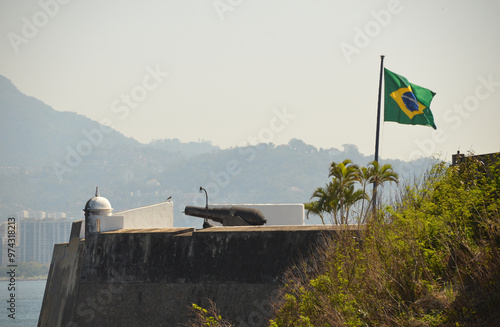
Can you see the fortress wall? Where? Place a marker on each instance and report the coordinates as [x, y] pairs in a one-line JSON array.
[[222, 254], [152, 277], [63, 281], [169, 304]]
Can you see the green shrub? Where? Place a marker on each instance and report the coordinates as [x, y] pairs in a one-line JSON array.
[[430, 259], [208, 317]]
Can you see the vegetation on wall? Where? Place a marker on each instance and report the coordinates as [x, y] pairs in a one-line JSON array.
[[208, 317], [430, 259]]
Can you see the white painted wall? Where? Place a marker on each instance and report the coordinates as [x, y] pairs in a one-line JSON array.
[[111, 223], [159, 215], [276, 214]]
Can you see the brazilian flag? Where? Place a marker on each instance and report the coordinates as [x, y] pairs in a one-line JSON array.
[[406, 103]]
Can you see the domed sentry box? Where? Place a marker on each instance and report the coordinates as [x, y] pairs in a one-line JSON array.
[[96, 208]]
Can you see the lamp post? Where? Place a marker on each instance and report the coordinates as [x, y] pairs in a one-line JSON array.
[[206, 224]]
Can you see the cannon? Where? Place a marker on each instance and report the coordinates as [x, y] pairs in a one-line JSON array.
[[228, 216]]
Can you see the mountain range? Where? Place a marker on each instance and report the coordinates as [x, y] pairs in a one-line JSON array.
[[52, 161]]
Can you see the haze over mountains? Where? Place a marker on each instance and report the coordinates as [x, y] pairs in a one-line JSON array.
[[53, 160]]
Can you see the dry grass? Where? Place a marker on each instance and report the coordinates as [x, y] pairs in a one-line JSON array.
[[431, 260]]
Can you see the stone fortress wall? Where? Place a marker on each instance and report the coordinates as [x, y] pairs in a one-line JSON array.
[[152, 276]]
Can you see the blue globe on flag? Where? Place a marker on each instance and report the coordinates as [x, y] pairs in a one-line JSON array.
[[410, 101]]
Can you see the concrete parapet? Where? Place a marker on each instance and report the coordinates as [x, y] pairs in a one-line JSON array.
[[151, 277], [62, 288], [160, 215]]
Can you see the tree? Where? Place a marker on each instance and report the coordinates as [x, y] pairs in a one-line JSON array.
[[345, 174], [327, 203], [378, 176], [347, 188]]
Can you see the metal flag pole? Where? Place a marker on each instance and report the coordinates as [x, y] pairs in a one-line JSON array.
[[378, 127], [379, 105]]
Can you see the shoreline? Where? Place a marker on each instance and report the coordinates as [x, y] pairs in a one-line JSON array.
[[24, 279]]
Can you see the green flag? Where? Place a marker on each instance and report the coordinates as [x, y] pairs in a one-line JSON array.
[[406, 103]]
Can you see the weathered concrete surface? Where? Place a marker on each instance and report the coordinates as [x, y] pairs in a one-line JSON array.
[[168, 304], [61, 290], [151, 277], [215, 255]]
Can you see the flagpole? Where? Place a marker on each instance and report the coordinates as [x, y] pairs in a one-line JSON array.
[[379, 105], [378, 127]]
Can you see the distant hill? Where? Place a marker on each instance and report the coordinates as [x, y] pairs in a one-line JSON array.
[[34, 134], [52, 161], [185, 149]]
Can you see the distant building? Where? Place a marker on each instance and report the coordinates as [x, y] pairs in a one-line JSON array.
[[3, 251], [36, 238], [3, 244]]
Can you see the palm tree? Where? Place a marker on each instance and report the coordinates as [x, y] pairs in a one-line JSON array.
[[365, 177], [351, 197], [341, 194], [345, 174], [327, 202], [382, 174], [379, 176], [317, 207], [314, 207]]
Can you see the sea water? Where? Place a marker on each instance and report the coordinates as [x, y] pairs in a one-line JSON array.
[[28, 297]]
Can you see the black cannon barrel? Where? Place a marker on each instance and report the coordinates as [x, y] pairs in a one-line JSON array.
[[228, 216]]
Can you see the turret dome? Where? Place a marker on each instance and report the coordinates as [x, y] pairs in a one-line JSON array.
[[98, 204]]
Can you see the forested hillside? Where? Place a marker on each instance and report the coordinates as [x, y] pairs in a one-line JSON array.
[[52, 161]]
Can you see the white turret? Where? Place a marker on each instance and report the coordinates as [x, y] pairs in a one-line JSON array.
[[96, 208]]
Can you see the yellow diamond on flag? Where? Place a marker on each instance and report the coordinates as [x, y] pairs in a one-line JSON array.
[[407, 102]]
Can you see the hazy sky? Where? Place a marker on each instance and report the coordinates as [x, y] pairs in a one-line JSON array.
[[240, 71]]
